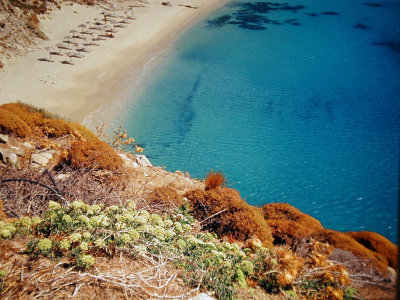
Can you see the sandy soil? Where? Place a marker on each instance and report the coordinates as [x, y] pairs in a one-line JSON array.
[[99, 79]]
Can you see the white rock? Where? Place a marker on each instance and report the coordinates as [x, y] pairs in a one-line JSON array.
[[17, 150], [392, 274], [28, 145], [42, 158], [202, 296], [35, 165], [62, 176], [13, 159], [3, 138], [143, 161]]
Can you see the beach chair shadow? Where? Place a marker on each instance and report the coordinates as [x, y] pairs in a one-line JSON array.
[[45, 59], [67, 62]]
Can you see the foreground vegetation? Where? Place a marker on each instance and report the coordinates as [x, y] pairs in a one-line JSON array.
[[92, 224], [80, 232]]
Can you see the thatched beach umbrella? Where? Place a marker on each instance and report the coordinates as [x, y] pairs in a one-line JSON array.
[[73, 31], [67, 37], [82, 26], [60, 46], [49, 49], [70, 55]]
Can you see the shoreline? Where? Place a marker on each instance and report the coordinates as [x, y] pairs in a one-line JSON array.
[[96, 85]]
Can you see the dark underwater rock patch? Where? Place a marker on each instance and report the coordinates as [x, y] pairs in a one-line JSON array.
[[220, 21], [373, 4], [392, 45], [252, 15], [361, 26], [312, 14], [330, 13]]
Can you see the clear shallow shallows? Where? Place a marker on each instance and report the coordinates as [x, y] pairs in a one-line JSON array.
[[295, 102]]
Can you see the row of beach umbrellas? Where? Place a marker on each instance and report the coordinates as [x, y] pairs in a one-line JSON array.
[[90, 33]]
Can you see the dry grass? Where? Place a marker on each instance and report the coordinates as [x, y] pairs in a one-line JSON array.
[[223, 211], [120, 277], [93, 187], [214, 180]]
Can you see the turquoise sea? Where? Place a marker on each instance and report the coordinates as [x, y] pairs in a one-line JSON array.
[[294, 101]]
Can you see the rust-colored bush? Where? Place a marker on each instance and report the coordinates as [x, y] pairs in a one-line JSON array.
[[289, 224], [229, 215], [165, 199], [43, 123], [30, 115], [96, 155], [286, 232], [345, 242], [377, 243], [11, 123], [213, 180], [3, 216]]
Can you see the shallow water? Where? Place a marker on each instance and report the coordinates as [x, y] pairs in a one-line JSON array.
[[295, 102]]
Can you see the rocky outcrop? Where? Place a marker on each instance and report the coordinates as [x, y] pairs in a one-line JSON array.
[[19, 26]]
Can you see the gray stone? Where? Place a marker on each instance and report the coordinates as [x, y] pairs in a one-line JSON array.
[[143, 161], [127, 161], [62, 176], [13, 159], [28, 145], [392, 274], [4, 138], [42, 158], [35, 165], [202, 296], [17, 150]]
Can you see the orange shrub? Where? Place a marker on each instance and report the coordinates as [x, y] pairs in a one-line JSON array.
[[44, 123], [213, 180], [30, 115], [345, 242], [3, 216], [164, 198], [93, 155], [229, 214], [377, 243], [289, 224], [11, 123]]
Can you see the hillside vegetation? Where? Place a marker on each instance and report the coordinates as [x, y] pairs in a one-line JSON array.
[[80, 217]]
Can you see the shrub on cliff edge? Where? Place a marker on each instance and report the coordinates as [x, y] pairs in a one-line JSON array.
[[289, 224], [229, 215], [11, 123], [43, 123], [213, 180], [165, 199], [93, 155]]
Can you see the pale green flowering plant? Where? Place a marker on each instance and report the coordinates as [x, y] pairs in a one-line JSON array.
[[79, 231]]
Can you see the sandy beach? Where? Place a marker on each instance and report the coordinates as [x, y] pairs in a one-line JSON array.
[[99, 79]]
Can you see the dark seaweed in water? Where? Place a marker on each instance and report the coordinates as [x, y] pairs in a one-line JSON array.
[[361, 26], [252, 15], [393, 45], [330, 13], [220, 21], [372, 4]]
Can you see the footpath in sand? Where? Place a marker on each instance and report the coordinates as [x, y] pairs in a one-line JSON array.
[[72, 87]]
